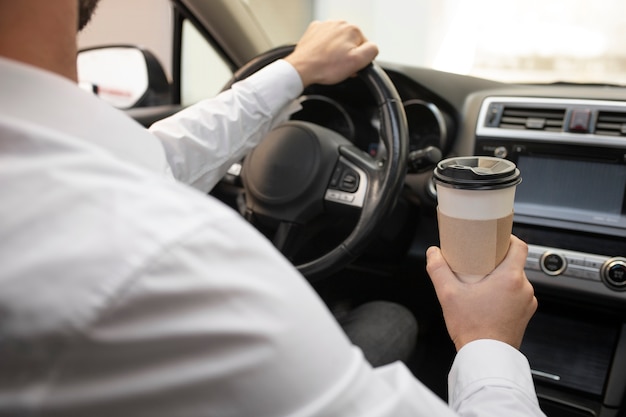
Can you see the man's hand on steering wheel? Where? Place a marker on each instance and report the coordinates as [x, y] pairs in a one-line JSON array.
[[331, 51]]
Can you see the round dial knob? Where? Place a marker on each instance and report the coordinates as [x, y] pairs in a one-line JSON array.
[[553, 263], [614, 273]]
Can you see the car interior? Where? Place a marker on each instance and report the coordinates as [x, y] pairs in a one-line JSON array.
[[358, 222]]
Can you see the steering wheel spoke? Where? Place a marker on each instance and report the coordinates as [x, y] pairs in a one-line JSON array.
[[361, 159], [285, 237]]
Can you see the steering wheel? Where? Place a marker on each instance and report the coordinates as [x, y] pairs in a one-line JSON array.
[[300, 169]]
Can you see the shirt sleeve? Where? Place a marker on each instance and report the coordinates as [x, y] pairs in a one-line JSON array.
[[204, 140], [491, 378]]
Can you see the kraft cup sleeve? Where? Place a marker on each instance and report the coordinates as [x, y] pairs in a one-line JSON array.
[[474, 247]]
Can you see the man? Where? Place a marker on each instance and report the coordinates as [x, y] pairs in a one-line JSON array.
[[118, 296]]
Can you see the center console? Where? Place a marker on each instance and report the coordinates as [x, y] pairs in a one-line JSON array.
[[571, 210]]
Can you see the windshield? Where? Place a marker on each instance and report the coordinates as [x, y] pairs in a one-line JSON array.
[[530, 41], [527, 41]]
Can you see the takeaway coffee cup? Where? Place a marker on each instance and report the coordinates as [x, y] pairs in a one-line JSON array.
[[475, 212]]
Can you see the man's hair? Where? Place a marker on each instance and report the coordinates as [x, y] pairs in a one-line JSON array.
[[85, 11]]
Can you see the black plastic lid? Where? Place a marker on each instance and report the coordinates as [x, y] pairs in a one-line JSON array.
[[477, 173]]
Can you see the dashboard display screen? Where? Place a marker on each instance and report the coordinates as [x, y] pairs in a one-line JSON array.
[[572, 190]]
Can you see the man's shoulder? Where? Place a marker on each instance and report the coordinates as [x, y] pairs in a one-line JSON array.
[[77, 219], [87, 188]]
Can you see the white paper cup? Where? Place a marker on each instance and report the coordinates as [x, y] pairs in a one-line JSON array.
[[475, 212]]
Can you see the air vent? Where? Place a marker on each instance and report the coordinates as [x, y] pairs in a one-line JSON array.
[[573, 121], [611, 123], [529, 118]]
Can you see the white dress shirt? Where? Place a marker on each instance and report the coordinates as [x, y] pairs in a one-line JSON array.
[[126, 294], [204, 140]]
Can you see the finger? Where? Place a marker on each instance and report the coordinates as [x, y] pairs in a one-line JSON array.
[[366, 52], [437, 268], [517, 253], [434, 259]]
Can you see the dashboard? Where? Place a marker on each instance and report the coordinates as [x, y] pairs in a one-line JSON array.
[[573, 157], [353, 114], [569, 143]]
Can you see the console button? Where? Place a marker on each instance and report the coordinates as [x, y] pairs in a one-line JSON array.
[[535, 252], [614, 273], [494, 114], [617, 274], [582, 272], [501, 152], [553, 263], [579, 120], [576, 260], [532, 264], [594, 263]]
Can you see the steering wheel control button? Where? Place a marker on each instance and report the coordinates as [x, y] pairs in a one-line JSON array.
[[349, 181], [553, 263], [344, 179], [347, 185], [614, 273], [334, 180], [333, 195], [340, 197]]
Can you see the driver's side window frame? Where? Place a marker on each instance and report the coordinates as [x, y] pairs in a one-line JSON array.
[[200, 68]]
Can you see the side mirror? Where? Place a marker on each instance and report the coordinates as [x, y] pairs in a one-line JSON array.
[[124, 76]]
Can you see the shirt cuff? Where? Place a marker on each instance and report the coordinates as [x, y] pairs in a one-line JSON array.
[[489, 363]]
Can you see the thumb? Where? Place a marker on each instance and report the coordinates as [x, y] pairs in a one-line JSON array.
[[438, 269]]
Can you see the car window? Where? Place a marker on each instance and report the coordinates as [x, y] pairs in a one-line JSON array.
[[528, 41], [203, 71], [514, 41], [115, 22]]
